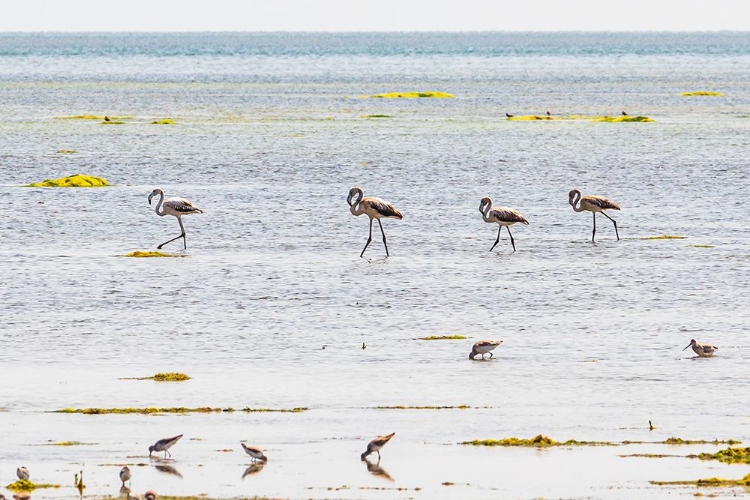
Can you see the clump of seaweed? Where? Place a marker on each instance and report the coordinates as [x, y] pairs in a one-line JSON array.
[[413, 95], [623, 118], [152, 410], [702, 246], [701, 93], [443, 337], [537, 117], [539, 441], [77, 180], [68, 443], [66, 151], [375, 116], [112, 122], [26, 485], [680, 441], [663, 237], [163, 121], [728, 456], [711, 481], [149, 253], [594, 118], [164, 377]]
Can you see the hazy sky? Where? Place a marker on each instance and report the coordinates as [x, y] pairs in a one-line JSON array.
[[373, 15]]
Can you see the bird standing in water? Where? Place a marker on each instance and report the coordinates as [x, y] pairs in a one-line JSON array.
[[176, 207], [376, 444], [163, 445], [502, 216], [374, 208], [483, 347], [125, 474], [702, 350], [593, 204]]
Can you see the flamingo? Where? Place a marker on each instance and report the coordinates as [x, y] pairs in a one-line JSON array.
[[374, 208], [502, 216], [173, 206], [702, 350], [593, 204], [376, 444]]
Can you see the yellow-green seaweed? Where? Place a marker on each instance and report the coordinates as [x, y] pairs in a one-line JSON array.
[[413, 95], [620, 119], [537, 117], [375, 116], [149, 253], [93, 117], [66, 151], [539, 441], [443, 337], [728, 456], [680, 441], [710, 93], [112, 122], [26, 485], [594, 118], [459, 407], [68, 443], [163, 121], [703, 246], [77, 180], [663, 237], [153, 410], [164, 377], [711, 481]]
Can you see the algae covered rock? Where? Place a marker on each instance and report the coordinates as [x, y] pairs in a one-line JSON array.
[[413, 95], [708, 93], [77, 180]]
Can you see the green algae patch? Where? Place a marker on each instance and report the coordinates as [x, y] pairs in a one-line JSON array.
[[26, 485], [709, 93], [69, 443], [413, 95], [622, 119], [370, 117], [662, 237], [112, 122], [94, 117], [728, 456], [149, 253], [680, 441], [711, 481], [443, 337], [177, 410], [66, 151], [77, 180], [531, 118], [539, 441], [163, 121], [459, 407], [164, 377], [702, 246]]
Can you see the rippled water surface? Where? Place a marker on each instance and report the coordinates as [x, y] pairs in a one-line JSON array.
[[271, 306]]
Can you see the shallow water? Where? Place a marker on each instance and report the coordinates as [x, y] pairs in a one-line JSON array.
[[268, 144]]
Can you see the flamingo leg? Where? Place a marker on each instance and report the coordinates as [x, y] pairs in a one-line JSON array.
[[511, 242], [500, 228], [369, 239], [384, 243], [613, 222], [594, 232], [182, 235]]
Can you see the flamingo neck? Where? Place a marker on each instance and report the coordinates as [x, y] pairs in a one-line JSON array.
[[486, 210], [576, 198], [159, 203], [356, 207]]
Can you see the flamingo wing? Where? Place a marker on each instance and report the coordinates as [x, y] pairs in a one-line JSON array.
[[181, 205], [504, 214], [601, 202], [384, 208]]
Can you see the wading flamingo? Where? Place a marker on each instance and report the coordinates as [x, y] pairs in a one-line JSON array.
[[374, 208], [173, 206], [593, 204], [501, 216], [376, 444]]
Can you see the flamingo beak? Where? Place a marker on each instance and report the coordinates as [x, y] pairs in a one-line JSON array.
[[149, 198]]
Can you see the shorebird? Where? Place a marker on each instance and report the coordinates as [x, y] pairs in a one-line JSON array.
[[22, 473], [508, 115], [376, 444], [374, 208], [125, 474], [254, 452], [549, 114], [483, 347], [702, 350], [173, 206], [163, 445], [624, 113], [106, 118], [593, 204], [501, 216]]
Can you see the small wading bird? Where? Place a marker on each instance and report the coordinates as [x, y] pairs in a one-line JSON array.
[[374, 208], [22, 473], [163, 445], [376, 444], [255, 452], [593, 204], [483, 347], [125, 474], [501, 216], [624, 113], [173, 206], [702, 350], [508, 115]]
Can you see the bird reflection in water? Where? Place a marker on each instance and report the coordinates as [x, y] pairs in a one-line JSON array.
[[253, 469], [124, 491], [375, 469], [168, 469]]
